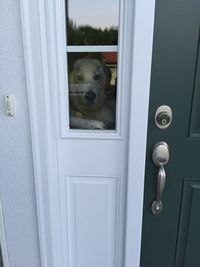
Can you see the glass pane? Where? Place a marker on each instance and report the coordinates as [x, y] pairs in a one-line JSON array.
[[92, 22], [92, 90]]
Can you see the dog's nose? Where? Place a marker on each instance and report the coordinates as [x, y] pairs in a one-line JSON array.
[[90, 95]]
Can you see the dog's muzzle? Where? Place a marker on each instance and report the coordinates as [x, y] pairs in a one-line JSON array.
[[90, 96]]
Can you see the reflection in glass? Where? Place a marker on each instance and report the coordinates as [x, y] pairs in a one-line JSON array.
[[92, 22], [92, 90]]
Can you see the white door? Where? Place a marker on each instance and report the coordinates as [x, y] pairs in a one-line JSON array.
[[88, 97]]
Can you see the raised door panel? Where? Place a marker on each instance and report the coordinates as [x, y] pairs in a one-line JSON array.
[[92, 220], [189, 232]]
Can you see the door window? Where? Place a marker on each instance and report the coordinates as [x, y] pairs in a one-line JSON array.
[[92, 52]]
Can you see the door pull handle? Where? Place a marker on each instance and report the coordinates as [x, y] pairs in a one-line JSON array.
[[160, 158]]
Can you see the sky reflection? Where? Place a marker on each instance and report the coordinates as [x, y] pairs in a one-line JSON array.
[[97, 13]]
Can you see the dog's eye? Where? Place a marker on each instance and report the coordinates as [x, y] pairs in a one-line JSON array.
[[96, 77], [79, 78]]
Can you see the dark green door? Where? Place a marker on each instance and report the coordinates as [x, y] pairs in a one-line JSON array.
[[172, 239]]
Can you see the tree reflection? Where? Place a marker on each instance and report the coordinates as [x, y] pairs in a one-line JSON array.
[[88, 35]]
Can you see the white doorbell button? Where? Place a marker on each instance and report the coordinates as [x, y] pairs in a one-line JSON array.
[[9, 105]]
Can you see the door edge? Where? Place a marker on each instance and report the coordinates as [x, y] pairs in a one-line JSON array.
[[141, 73], [3, 241]]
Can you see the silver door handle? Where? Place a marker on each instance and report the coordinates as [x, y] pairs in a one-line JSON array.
[[161, 183], [160, 158]]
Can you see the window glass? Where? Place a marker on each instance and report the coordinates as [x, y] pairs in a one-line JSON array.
[[92, 90], [91, 22]]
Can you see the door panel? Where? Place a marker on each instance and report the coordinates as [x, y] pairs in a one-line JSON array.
[[194, 130], [92, 211], [174, 82], [189, 232]]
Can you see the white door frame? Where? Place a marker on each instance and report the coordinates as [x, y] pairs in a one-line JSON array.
[[34, 16], [141, 73], [3, 241]]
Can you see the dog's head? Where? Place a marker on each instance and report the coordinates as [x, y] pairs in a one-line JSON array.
[[89, 80]]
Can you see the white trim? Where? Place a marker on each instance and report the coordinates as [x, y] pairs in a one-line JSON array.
[[43, 149], [141, 71], [122, 71], [29, 69], [92, 134], [3, 242], [66, 132], [92, 48]]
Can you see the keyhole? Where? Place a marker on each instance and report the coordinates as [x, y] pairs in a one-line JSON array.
[[164, 121]]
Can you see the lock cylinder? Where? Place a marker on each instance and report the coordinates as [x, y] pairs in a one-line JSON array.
[[163, 117]]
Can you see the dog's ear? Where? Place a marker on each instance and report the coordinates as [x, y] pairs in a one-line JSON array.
[[109, 73], [108, 79]]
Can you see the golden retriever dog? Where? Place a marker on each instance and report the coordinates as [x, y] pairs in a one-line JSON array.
[[90, 106]]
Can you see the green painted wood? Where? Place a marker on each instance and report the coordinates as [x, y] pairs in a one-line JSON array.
[[194, 130], [174, 82], [1, 258], [188, 245]]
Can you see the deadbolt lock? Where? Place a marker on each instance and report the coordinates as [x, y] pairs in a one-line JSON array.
[[163, 117]]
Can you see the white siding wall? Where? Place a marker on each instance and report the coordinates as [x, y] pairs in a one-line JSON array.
[[16, 172]]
